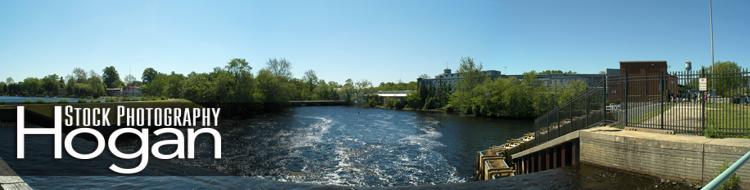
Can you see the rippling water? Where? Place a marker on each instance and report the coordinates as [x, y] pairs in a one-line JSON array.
[[346, 146], [362, 147]]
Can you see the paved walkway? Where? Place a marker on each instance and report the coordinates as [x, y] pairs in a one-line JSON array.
[[679, 116]]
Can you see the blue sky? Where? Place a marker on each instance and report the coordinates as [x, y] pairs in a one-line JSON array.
[[379, 40]]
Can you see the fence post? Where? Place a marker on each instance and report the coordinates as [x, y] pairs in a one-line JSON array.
[[605, 98], [570, 112], [557, 115], [703, 104], [625, 98], [661, 99], [587, 111]]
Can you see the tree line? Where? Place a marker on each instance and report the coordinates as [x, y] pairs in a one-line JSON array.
[[77, 84], [233, 83], [478, 94], [236, 83]]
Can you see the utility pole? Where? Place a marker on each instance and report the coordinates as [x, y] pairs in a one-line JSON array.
[[711, 30]]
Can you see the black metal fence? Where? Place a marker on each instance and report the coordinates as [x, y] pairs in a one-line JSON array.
[[669, 101], [674, 101], [581, 112]]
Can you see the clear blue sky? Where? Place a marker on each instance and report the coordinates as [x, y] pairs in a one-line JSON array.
[[379, 40]]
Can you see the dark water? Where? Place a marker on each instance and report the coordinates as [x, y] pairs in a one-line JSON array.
[[350, 146], [22, 99], [363, 147]]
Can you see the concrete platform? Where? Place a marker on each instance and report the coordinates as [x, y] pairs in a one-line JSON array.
[[693, 159], [548, 144], [9, 180]]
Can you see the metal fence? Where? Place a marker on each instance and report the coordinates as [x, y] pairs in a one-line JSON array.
[[669, 101], [581, 112], [674, 101]]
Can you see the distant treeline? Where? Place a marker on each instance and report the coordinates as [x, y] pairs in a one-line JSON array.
[[233, 83], [477, 94]]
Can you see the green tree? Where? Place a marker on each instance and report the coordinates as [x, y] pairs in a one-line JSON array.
[[96, 85], [471, 76], [242, 85], [149, 74], [347, 90], [52, 84], [111, 77], [727, 78], [79, 75], [311, 80], [3, 88], [31, 87], [271, 87], [571, 90], [280, 68]]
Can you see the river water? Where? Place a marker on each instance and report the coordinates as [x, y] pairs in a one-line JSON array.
[[349, 146]]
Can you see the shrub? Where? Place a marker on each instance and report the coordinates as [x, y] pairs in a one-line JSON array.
[[732, 183]]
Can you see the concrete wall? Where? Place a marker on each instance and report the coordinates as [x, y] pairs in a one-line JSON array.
[[682, 158]]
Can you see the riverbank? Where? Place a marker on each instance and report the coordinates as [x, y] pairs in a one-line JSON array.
[[446, 111]]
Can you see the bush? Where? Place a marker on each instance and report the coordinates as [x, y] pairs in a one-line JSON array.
[[732, 183], [395, 104]]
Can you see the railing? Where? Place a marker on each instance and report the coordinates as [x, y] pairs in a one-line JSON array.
[[674, 101], [668, 101], [716, 182], [581, 112]]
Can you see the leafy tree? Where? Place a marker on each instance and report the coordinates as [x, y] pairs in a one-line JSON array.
[[471, 76], [570, 91], [149, 74], [310, 80], [79, 74], [271, 87], [52, 85], [174, 87], [96, 85], [198, 87], [348, 90], [111, 77], [31, 87], [280, 68], [727, 78], [9, 80], [3, 88], [238, 66], [243, 80]]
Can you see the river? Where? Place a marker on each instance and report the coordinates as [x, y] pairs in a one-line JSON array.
[[346, 146]]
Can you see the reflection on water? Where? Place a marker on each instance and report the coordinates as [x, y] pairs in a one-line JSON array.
[[22, 99], [347, 146]]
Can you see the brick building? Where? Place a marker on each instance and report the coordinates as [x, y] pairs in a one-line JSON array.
[[644, 79]]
